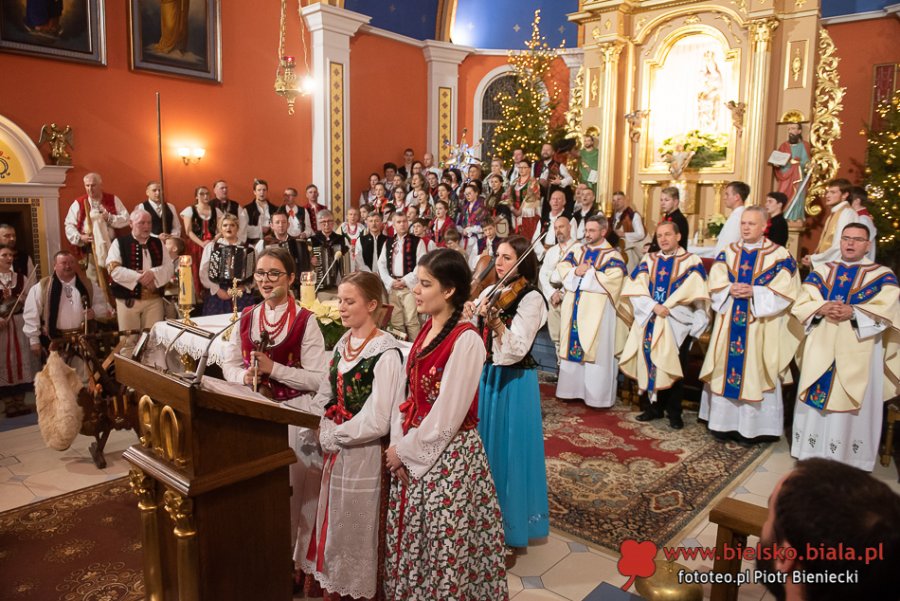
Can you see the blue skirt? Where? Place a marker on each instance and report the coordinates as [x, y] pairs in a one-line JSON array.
[[509, 421]]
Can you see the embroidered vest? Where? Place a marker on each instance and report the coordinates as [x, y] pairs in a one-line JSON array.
[[51, 292], [133, 258], [371, 249], [350, 390], [287, 352], [424, 376], [410, 245], [156, 223], [107, 201], [211, 224]]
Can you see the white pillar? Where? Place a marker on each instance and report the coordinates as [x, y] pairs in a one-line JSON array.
[[331, 29], [443, 61]]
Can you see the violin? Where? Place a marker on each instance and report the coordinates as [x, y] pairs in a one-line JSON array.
[[483, 275], [501, 298]]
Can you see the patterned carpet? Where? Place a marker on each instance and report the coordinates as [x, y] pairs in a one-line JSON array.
[[612, 478], [81, 546]]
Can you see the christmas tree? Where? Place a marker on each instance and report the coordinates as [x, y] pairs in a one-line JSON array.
[[526, 113], [883, 180]]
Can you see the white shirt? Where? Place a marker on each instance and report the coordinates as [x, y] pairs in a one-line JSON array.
[[410, 279], [873, 234], [71, 312], [118, 219], [731, 231], [551, 234], [156, 206], [633, 238], [255, 231], [548, 276], [516, 340], [129, 277], [299, 222]]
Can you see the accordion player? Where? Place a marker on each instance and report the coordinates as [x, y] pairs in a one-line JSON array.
[[224, 260], [326, 244], [299, 249]]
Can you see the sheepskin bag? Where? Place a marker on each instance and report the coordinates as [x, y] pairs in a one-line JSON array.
[[59, 415]]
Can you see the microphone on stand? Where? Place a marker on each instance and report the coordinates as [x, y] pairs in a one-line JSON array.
[[277, 293], [337, 257]]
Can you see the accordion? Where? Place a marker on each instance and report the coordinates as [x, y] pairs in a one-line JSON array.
[[228, 262], [325, 255]]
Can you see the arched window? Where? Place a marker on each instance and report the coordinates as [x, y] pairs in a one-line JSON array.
[[490, 110]]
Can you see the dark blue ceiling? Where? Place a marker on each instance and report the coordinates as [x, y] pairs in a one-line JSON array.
[[506, 24], [413, 18], [834, 8]]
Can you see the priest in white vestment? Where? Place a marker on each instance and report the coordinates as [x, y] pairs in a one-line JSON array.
[[752, 284], [850, 311], [670, 298], [592, 278]]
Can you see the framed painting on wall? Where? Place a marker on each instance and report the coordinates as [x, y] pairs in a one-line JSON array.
[[176, 37], [64, 29]]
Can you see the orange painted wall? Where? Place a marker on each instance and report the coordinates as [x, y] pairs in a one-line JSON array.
[[242, 124], [857, 69], [388, 105]]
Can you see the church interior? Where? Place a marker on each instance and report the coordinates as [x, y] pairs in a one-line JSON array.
[[687, 96]]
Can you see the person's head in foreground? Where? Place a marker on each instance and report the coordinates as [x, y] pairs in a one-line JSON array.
[[834, 533]]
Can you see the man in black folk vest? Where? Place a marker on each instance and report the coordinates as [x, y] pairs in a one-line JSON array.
[[397, 268], [154, 206], [371, 244], [139, 270]]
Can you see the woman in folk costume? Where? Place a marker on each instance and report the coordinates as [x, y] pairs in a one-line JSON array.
[[444, 534], [15, 366], [365, 386], [278, 347], [224, 260], [201, 223], [509, 405], [525, 200], [496, 204]]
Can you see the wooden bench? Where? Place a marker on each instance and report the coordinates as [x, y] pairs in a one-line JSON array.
[[735, 520]]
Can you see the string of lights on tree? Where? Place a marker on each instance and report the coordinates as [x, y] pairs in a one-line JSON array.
[[525, 114], [883, 176]]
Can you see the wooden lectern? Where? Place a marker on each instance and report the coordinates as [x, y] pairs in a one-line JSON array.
[[211, 473]]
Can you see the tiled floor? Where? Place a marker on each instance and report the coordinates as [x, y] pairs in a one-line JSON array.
[[558, 568]]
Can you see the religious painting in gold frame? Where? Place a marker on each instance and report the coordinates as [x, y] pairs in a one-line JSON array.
[[685, 83]]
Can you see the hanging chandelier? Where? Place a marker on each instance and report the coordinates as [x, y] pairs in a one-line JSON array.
[[288, 84]]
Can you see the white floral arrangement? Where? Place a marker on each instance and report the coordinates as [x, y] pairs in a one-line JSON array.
[[715, 224]]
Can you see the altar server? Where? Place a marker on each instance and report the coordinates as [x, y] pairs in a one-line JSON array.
[[670, 299], [850, 364], [592, 278], [752, 284]]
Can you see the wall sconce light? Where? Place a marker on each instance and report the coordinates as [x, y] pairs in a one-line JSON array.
[[191, 155]]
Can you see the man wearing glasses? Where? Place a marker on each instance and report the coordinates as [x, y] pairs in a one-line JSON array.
[[327, 243], [846, 307]]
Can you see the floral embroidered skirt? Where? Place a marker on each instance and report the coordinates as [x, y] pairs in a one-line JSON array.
[[444, 530]]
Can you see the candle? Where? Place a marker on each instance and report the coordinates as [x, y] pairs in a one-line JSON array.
[[185, 281], [307, 288]]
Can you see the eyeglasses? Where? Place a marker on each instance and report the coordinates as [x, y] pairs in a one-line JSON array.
[[272, 275], [853, 239]]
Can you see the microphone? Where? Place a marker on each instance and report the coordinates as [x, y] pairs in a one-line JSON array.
[[337, 257], [277, 293]]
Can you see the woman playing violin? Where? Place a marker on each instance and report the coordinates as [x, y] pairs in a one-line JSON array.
[[509, 315]]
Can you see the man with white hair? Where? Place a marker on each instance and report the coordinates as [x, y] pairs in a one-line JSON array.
[[327, 243], [95, 205], [139, 270]]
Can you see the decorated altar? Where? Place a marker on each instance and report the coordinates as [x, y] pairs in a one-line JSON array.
[[696, 94]]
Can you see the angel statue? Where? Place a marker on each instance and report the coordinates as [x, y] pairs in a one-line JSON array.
[[678, 161], [58, 140]]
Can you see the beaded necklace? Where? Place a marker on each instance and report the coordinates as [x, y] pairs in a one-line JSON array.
[[275, 329]]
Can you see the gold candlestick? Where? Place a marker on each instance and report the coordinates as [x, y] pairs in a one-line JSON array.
[[186, 289], [235, 293]]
